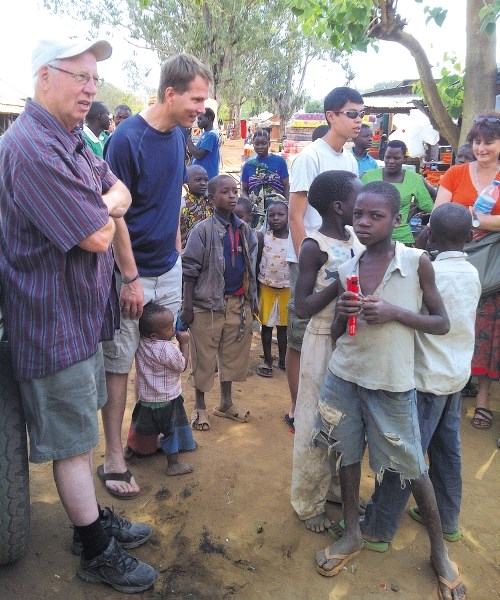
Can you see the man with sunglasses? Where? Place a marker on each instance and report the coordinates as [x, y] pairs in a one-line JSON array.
[[60, 207], [343, 108]]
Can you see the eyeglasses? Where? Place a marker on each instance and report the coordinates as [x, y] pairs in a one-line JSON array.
[[351, 114], [81, 78], [486, 120]]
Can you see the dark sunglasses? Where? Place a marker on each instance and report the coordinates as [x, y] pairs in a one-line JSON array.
[[351, 114], [487, 119]]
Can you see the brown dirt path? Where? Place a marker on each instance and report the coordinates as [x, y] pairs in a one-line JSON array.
[[207, 544]]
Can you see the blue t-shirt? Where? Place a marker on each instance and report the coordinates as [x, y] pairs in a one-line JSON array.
[[211, 161], [151, 164], [267, 172], [234, 261], [366, 163]]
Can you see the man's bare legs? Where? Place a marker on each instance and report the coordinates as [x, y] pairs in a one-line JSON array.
[[352, 540], [292, 364], [75, 485], [112, 419], [423, 492]]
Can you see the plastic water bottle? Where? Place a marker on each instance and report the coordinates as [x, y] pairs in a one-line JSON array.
[[487, 198]]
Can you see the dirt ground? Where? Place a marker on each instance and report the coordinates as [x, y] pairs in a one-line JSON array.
[[227, 530]]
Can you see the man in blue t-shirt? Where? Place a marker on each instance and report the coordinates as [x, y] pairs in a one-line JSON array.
[[206, 152], [147, 153], [360, 150]]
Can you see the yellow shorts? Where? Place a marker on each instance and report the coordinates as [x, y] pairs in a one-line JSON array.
[[272, 305]]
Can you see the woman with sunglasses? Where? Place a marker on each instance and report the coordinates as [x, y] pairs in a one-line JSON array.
[[462, 184]]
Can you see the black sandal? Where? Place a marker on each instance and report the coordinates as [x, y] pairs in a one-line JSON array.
[[482, 419]]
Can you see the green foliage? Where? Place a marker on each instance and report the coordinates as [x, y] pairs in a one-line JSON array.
[[313, 106], [250, 45], [450, 86], [437, 14], [112, 97], [343, 24], [488, 15]]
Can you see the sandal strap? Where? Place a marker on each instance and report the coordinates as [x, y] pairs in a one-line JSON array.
[[484, 414]]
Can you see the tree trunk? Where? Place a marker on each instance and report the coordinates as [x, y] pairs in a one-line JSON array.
[[237, 118], [443, 120], [481, 69]]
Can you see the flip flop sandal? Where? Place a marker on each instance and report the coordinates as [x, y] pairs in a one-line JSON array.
[[235, 413], [449, 536], [199, 416], [482, 419], [264, 370], [337, 530], [451, 585], [344, 559], [126, 476]]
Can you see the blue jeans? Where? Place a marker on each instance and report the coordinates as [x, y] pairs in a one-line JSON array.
[[439, 419], [388, 421]]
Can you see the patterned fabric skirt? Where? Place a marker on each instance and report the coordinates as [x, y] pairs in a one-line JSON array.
[[486, 359], [168, 418]]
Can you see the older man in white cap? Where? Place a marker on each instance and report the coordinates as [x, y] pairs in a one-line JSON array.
[[59, 209]]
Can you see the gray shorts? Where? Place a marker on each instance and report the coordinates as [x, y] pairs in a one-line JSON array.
[[296, 327], [166, 290], [61, 410], [387, 420]]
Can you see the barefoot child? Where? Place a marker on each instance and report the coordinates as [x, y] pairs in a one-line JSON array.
[[160, 406], [274, 285], [332, 194], [368, 390], [219, 299], [442, 366]]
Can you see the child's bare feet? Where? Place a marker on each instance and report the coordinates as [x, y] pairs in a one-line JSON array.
[[318, 523], [179, 469]]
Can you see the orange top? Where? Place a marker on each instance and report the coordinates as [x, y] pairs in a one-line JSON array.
[[457, 181]]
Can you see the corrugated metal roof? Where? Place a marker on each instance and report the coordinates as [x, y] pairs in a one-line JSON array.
[[7, 108], [11, 99]]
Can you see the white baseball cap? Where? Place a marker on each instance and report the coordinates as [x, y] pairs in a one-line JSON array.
[[47, 51]]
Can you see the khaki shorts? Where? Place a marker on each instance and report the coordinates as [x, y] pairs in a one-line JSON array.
[[296, 327], [214, 341], [61, 410], [166, 290]]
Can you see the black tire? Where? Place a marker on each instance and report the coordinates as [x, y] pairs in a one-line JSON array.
[[14, 473]]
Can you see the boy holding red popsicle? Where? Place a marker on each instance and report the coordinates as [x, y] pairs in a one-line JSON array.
[[369, 388]]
